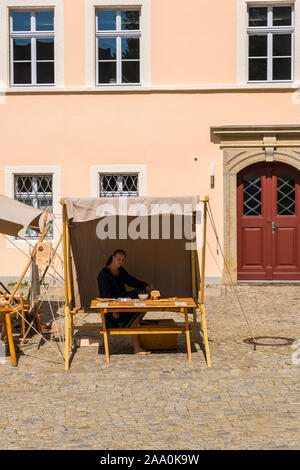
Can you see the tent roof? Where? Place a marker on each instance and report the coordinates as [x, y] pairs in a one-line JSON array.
[[16, 217], [87, 209]]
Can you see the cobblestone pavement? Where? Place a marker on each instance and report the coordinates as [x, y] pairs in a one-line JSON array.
[[248, 399]]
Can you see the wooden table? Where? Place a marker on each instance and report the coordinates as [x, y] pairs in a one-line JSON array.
[[104, 306]]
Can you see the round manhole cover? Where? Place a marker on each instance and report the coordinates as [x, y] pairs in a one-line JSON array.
[[270, 341]]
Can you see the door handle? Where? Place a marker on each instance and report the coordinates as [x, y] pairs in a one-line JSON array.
[[273, 228]]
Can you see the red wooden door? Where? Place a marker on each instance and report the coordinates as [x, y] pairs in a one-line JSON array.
[[268, 219]]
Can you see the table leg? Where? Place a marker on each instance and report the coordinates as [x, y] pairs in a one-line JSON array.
[[105, 335], [3, 332], [11, 345], [195, 326], [71, 331], [187, 333], [67, 338]]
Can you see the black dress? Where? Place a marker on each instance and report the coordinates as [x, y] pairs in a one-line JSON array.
[[112, 287]]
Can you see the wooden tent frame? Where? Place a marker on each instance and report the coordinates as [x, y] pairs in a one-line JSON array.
[[197, 288], [9, 310]]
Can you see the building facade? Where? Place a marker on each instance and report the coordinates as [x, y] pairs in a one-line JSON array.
[[154, 97]]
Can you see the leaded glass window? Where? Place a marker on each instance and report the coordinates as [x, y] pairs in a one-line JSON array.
[[270, 43], [32, 47], [118, 36], [252, 195], [36, 191], [285, 195], [114, 185]]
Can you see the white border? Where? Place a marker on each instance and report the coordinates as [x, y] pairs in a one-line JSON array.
[[55, 171], [90, 7], [242, 39], [97, 170], [5, 7]]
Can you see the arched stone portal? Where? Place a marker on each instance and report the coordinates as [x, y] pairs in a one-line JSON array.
[[243, 146]]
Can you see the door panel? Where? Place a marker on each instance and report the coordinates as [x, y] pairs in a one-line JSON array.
[[268, 215]]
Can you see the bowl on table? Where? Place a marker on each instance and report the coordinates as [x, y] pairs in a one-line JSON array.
[[143, 296]]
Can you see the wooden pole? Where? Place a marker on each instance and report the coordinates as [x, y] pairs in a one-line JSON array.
[[22, 315], [10, 339], [51, 259], [67, 309], [202, 284], [44, 234], [194, 288]]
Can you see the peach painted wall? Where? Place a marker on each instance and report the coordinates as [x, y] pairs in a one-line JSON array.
[[164, 131], [193, 42], [74, 42]]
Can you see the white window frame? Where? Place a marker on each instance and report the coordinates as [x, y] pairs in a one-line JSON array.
[[242, 41], [55, 172], [98, 170], [145, 45], [6, 6], [118, 34], [269, 31], [33, 35]]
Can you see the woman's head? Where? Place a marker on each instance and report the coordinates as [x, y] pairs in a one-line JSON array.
[[117, 259]]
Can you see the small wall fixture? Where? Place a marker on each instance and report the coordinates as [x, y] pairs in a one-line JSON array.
[[212, 175]]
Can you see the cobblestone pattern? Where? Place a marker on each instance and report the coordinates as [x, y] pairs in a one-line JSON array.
[[248, 399]]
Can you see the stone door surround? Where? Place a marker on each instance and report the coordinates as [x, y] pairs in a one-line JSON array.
[[242, 146]]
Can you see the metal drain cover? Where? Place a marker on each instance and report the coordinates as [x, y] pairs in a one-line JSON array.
[[269, 341]]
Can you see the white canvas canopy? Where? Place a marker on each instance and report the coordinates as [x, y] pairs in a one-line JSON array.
[[164, 262], [16, 217]]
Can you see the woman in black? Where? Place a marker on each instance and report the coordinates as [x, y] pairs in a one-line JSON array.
[[111, 282]]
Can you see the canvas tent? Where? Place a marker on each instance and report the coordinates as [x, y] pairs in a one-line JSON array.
[[163, 260], [164, 239], [16, 217]]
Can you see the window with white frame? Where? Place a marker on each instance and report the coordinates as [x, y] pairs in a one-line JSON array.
[[115, 185], [118, 39], [32, 47], [36, 191], [270, 43]]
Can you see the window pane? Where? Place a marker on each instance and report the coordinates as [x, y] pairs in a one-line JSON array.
[[282, 44], [252, 195], [107, 72], [118, 185], [282, 16], [258, 16], [130, 48], [107, 49], [106, 20], [130, 19], [44, 20], [130, 72], [22, 49], [282, 69], [286, 195], [21, 20], [258, 46], [22, 73], [258, 69], [45, 72], [45, 49]]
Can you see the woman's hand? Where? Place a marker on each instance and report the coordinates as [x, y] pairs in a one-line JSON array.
[[116, 315]]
